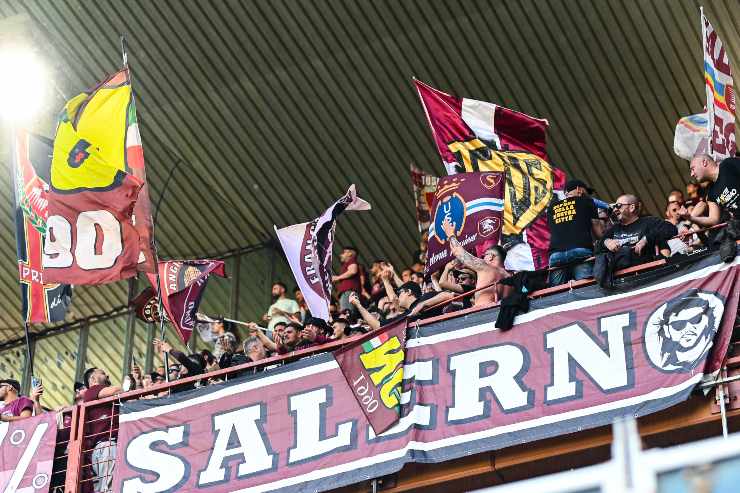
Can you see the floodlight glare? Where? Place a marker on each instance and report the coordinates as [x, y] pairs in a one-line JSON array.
[[22, 83]]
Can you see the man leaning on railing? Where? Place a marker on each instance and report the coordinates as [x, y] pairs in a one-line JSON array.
[[103, 428]]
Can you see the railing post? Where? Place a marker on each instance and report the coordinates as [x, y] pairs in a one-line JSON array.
[[74, 454], [128, 340], [236, 276], [149, 355], [82, 352]]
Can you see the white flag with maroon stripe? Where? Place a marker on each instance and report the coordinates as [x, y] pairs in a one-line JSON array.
[[308, 248]]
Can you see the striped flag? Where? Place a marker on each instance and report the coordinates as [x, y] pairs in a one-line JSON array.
[[720, 93], [374, 342], [476, 135]]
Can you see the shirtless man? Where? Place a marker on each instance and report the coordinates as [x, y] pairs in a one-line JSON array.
[[489, 269]]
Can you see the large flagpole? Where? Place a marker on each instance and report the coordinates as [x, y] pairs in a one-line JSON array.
[[28, 372], [162, 333]]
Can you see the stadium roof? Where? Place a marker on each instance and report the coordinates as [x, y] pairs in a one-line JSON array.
[[257, 113]]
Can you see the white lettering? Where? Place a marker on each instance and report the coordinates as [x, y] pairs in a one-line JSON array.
[[58, 244], [572, 344], [169, 469], [252, 446], [310, 422], [504, 383]]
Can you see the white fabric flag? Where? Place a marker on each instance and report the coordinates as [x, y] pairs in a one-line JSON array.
[[308, 248], [692, 136]]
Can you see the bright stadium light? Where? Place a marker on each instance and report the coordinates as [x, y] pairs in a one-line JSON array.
[[22, 85]]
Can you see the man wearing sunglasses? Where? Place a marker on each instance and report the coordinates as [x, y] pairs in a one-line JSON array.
[[689, 325], [634, 238]]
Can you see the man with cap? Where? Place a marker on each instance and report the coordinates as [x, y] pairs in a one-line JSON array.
[[574, 226], [16, 407]]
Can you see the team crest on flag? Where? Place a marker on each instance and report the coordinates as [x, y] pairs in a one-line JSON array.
[[473, 203], [476, 136], [373, 368], [182, 284]]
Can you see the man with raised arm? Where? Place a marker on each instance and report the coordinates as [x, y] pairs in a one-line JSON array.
[[489, 270]]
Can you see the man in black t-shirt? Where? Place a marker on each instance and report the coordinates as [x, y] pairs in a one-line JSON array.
[[723, 198], [574, 225], [635, 238]]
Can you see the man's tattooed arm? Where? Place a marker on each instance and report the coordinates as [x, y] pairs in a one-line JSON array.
[[467, 259]]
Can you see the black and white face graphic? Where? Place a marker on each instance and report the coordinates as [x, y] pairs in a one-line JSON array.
[[680, 333]]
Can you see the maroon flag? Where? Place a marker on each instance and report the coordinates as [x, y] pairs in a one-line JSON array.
[[146, 305], [424, 187], [90, 236], [308, 248], [473, 203], [27, 453], [373, 368], [182, 285], [479, 136]]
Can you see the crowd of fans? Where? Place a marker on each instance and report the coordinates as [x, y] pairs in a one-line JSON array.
[[589, 238]]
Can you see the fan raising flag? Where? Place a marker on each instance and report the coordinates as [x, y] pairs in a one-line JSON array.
[[308, 248], [31, 157], [720, 93], [479, 136], [182, 285]]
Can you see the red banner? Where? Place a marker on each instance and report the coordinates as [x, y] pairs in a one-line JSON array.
[[574, 362], [719, 85], [182, 285], [27, 453]]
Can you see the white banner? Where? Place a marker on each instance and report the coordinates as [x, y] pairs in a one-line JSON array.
[[308, 248]]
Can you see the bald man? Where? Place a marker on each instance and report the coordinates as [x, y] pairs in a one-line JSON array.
[[640, 234], [724, 190]]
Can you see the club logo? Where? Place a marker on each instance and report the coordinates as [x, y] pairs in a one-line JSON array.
[[679, 334], [78, 154], [488, 225], [490, 180], [452, 207]]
